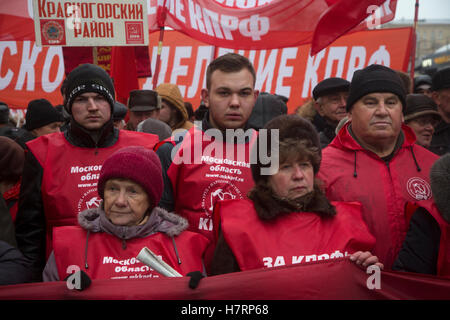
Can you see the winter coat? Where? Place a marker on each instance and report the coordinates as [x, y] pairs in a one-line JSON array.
[[427, 243], [161, 227], [440, 143], [352, 173]]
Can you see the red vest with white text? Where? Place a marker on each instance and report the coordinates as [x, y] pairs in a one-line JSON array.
[[203, 173], [294, 238], [109, 257], [70, 174], [443, 263]]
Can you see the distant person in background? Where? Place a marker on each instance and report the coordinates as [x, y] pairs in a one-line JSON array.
[[422, 116], [190, 111], [200, 112], [4, 115], [422, 84], [406, 79], [173, 111], [42, 118], [120, 111], [142, 104], [155, 126], [440, 144], [330, 97], [267, 107]]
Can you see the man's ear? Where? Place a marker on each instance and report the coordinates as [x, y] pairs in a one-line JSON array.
[[205, 97], [318, 107]]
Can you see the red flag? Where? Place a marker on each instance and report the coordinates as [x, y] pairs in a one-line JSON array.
[[123, 72], [342, 17]]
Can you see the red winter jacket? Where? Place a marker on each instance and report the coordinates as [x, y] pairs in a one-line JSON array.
[[352, 173]]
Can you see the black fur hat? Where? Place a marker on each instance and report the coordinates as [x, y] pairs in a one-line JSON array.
[[289, 126]]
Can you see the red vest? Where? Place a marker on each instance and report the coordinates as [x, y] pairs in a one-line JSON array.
[[69, 182], [443, 263], [107, 258], [294, 238], [211, 176]]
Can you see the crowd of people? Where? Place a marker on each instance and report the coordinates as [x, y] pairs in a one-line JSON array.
[[360, 172]]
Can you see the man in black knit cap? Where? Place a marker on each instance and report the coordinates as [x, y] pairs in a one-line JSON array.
[[374, 159], [42, 118], [61, 170]]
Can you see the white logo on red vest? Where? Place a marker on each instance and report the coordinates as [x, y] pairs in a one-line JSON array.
[[90, 199], [418, 188], [216, 191]]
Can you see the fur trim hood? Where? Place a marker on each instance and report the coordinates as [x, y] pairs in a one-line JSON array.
[[95, 220], [269, 207]]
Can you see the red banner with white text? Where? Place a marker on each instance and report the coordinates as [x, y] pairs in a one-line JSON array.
[[29, 72], [337, 279], [238, 24]]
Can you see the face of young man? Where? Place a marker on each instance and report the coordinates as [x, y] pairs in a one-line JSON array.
[[91, 110], [230, 98], [377, 118]]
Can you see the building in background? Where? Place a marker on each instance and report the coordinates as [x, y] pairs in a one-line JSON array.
[[433, 43]]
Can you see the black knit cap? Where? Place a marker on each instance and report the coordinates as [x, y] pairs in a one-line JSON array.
[[120, 111], [330, 85], [375, 78], [290, 126], [441, 79], [418, 105], [88, 78], [40, 113]]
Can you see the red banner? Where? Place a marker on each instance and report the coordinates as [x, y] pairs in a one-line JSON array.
[[29, 72], [238, 24], [256, 25], [337, 279]]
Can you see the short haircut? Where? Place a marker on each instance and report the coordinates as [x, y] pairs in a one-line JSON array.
[[229, 62]]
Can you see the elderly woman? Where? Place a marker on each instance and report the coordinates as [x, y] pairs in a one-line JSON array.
[[288, 219], [111, 236]]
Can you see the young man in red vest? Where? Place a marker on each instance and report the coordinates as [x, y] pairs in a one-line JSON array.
[[208, 165], [61, 170]]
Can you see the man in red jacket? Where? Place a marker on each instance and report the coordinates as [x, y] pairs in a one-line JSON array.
[[374, 160]]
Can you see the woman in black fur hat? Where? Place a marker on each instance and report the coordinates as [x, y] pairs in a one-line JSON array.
[[288, 220]]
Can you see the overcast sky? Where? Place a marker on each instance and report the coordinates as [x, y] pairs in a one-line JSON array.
[[428, 9]]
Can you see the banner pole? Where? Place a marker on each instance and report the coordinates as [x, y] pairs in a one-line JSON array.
[[158, 57], [161, 17], [414, 43]]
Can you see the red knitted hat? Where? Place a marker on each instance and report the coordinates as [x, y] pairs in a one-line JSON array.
[[135, 163]]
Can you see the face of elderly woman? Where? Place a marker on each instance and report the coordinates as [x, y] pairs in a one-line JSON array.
[[125, 202], [294, 179]]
